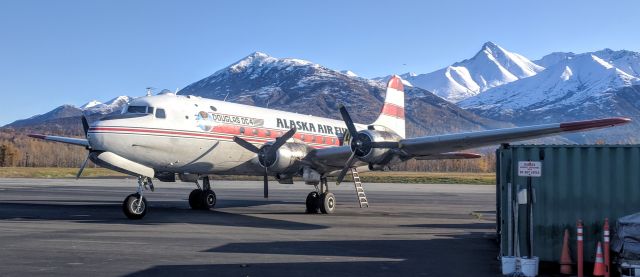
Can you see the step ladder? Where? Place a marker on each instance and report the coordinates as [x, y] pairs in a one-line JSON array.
[[362, 198]]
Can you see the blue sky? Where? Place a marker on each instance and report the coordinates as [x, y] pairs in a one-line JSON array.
[[70, 52]]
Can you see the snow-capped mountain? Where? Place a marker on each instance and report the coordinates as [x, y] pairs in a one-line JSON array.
[[554, 58], [68, 113], [491, 67], [349, 73], [574, 86], [113, 105], [627, 61], [404, 77], [569, 82], [90, 104], [305, 87]]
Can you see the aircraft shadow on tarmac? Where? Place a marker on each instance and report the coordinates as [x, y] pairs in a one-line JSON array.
[[461, 226], [461, 255], [105, 212]]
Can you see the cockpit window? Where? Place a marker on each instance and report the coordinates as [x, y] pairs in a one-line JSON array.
[[140, 109], [160, 113], [137, 109]]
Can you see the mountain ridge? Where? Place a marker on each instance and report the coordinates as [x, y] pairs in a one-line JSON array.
[[490, 67]]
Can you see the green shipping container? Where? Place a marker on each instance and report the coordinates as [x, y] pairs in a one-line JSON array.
[[588, 182]]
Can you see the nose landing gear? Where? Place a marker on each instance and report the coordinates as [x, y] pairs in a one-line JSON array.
[[135, 205]]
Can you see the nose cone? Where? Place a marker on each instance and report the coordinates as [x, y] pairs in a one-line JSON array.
[[95, 137]]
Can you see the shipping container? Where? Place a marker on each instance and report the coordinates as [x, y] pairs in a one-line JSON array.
[[587, 182]]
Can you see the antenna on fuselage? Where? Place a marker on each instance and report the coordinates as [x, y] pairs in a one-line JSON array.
[[150, 91]]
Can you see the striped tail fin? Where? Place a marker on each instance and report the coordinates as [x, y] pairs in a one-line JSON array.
[[392, 115]]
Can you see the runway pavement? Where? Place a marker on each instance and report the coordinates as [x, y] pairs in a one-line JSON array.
[[65, 227]]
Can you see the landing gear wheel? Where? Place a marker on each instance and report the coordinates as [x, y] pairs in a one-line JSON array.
[[208, 199], [202, 200], [194, 199], [313, 202], [134, 206], [327, 203]]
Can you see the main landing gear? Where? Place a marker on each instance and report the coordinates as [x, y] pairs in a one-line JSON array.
[[135, 205], [321, 200], [202, 198]]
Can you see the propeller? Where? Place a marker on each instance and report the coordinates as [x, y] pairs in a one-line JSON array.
[[361, 144], [267, 154], [85, 127]]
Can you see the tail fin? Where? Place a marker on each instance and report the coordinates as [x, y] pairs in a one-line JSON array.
[[392, 115]]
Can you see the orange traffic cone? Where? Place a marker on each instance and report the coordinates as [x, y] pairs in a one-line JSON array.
[[598, 268], [565, 258]]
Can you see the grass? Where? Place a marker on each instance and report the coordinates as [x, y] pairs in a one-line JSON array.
[[55, 172], [368, 177]]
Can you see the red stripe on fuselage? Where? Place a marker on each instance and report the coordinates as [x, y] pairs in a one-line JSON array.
[[314, 140]]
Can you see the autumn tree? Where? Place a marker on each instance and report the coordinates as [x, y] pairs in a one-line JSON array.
[[9, 155]]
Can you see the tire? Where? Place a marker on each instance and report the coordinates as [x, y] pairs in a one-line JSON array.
[[208, 199], [327, 203], [195, 201], [131, 209], [312, 203]]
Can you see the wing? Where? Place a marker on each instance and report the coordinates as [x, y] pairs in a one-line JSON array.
[[430, 145], [445, 146], [74, 141]]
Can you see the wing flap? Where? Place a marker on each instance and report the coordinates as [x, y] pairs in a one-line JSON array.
[[424, 146], [68, 140]]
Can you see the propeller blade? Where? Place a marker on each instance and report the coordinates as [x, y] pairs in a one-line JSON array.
[[385, 144], [347, 166], [85, 125], [82, 166], [266, 183], [246, 145], [347, 119], [282, 140]]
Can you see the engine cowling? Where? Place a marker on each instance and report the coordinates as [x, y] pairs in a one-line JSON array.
[[286, 159], [363, 145]]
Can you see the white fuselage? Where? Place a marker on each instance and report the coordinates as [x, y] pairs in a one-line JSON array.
[[196, 134]]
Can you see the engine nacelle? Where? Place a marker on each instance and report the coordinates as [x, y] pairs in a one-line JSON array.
[[367, 153], [288, 157]]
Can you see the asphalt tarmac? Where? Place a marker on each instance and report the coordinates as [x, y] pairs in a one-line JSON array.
[[64, 227]]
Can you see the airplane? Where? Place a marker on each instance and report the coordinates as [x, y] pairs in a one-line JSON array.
[[169, 137]]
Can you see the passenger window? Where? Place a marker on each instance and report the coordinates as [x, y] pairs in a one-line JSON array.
[[242, 130], [333, 141], [268, 133], [255, 132], [150, 110], [302, 137], [324, 140], [160, 113], [213, 108]]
